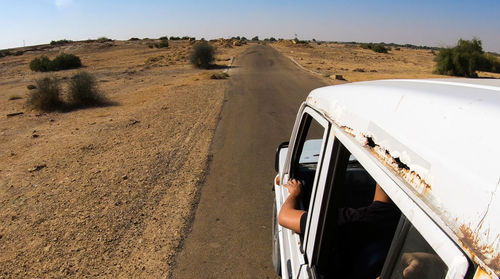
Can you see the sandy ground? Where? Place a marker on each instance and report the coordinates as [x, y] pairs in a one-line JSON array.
[[354, 63], [106, 191]]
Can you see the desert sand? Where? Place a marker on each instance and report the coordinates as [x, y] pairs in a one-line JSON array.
[[105, 191]]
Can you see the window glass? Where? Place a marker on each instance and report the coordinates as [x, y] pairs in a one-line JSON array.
[[417, 259], [308, 152]]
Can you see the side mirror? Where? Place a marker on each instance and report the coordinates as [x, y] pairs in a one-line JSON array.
[[277, 157]]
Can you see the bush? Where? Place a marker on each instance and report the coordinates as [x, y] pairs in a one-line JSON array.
[[65, 61], [46, 96], [103, 40], [62, 62], [60, 42], [202, 55], [5, 53], [83, 90], [380, 48], [172, 38], [163, 43], [40, 64], [220, 75], [14, 97], [256, 38], [18, 53], [463, 60], [134, 39], [164, 38], [493, 63]]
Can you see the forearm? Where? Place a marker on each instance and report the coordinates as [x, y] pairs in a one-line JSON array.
[[289, 216]]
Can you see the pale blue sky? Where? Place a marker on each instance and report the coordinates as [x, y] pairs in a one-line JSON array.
[[420, 22]]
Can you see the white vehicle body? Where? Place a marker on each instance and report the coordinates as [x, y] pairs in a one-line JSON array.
[[433, 147]]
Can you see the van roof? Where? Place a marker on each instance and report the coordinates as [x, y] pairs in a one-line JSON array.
[[442, 137]]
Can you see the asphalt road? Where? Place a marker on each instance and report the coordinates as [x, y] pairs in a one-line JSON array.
[[231, 234]]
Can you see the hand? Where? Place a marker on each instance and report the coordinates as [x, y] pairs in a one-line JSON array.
[[419, 264], [294, 188]]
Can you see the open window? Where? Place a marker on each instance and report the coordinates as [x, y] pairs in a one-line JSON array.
[[345, 241], [308, 151]]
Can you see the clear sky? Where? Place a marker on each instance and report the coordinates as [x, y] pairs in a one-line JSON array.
[[420, 22]]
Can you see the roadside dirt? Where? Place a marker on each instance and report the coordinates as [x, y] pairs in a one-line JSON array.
[[354, 63], [106, 191]]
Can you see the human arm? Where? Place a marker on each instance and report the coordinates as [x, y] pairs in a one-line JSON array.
[[289, 216]]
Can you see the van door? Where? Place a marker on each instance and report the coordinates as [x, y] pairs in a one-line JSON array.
[[304, 162]]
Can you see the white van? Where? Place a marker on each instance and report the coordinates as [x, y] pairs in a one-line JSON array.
[[432, 145]]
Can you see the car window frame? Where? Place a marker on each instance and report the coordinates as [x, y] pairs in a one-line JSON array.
[[298, 138]]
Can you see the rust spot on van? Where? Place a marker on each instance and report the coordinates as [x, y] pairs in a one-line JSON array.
[[395, 163], [348, 130], [471, 242], [482, 274]]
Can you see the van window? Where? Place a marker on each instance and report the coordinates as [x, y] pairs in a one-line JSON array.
[[306, 155], [354, 233], [415, 258]]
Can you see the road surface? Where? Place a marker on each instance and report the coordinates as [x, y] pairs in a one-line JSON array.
[[231, 234]]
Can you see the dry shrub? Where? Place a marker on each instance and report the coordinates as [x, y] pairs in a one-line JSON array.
[[46, 96], [202, 55], [220, 75], [83, 91], [14, 97]]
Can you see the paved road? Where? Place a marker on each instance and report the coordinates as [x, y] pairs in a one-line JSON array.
[[231, 234]]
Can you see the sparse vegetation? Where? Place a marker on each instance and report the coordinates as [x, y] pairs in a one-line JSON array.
[[163, 43], [62, 62], [40, 64], [5, 53], [202, 55], [220, 75], [301, 42], [18, 53], [65, 61], [134, 39], [14, 97], [493, 61], [103, 40], [60, 42], [464, 59], [46, 97], [83, 91], [380, 48]]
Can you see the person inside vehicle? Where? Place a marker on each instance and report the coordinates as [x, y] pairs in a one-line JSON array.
[[364, 234]]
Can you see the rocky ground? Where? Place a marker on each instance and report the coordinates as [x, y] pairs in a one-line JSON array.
[[105, 191]]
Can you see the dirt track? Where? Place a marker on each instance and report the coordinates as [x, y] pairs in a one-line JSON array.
[[108, 191], [231, 236]]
